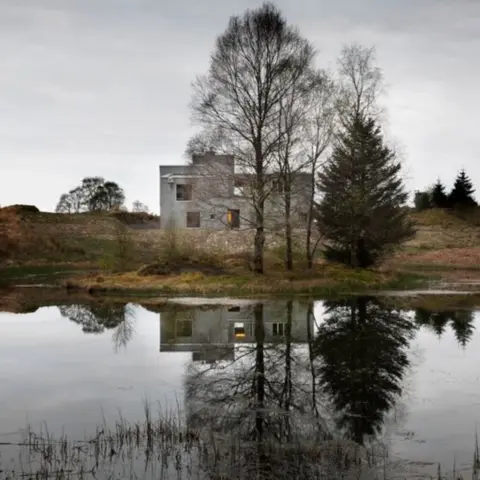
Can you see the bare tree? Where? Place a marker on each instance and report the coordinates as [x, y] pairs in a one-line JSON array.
[[289, 155], [257, 60], [139, 207], [65, 204], [361, 83], [317, 134]]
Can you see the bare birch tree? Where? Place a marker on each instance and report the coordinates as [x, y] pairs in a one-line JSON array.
[[256, 61], [317, 134], [289, 159], [361, 83]]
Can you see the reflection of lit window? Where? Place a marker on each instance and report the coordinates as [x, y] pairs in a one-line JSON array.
[[278, 329], [239, 330], [184, 328]]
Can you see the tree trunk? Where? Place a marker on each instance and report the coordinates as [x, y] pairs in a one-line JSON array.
[[353, 255], [259, 212], [260, 387], [309, 249], [288, 386], [259, 244], [288, 227]]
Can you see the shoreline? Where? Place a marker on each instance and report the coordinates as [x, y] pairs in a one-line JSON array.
[[326, 280]]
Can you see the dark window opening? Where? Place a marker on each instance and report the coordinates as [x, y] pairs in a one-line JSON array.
[[236, 308], [278, 186], [184, 328], [278, 329], [193, 219], [212, 216], [238, 187], [184, 192], [303, 217], [233, 218]]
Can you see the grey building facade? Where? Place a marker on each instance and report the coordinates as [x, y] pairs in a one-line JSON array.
[[214, 332], [210, 194]]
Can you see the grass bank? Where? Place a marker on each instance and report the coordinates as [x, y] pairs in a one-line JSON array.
[[325, 280]]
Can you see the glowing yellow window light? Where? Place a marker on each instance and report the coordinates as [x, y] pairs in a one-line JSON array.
[[239, 330]]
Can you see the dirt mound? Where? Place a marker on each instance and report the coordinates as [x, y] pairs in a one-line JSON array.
[[192, 266], [22, 238], [20, 209]]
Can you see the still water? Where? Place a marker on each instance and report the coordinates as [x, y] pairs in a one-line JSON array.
[[403, 382]]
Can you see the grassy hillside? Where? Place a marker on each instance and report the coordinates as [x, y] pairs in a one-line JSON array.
[[444, 239], [29, 237], [32, 237]]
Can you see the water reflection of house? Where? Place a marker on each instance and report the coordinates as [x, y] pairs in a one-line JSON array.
[[211, 334]]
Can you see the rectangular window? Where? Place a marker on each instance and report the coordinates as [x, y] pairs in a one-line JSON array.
[[236, 308], [184, 192], [239, 187], [233, 218], [278, 186], [303, 217], [193, 219], [184, 328], [278, 329]]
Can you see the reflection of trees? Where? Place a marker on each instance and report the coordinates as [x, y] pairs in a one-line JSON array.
[[460, 321], [361, 346], [98, 318], [263, 399]]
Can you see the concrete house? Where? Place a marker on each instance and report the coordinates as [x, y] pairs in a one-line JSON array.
[[210, 194]]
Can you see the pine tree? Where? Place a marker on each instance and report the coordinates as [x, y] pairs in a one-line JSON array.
[[423, 201], [361, 213], [461, 195], [439, 196]]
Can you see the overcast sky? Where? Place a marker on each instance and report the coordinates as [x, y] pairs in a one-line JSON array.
[[101, 87]]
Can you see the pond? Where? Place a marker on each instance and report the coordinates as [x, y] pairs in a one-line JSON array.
[[364, 386]]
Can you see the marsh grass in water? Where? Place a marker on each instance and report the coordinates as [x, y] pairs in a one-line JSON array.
[[163, 447]]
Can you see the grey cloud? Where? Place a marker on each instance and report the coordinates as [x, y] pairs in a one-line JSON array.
[[102, 87]]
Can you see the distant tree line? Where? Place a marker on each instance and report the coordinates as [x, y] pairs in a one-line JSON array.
[[94, 194], [460, 197]]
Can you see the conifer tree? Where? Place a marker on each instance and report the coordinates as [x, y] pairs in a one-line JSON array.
[[361, 213], [461, 195], [439, 196]]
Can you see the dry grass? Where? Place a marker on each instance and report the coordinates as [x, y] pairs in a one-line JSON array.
[[325, 279], [444, 242]]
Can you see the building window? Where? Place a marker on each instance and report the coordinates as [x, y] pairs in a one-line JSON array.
[[193, 219], [212, 216], [236, 308], [278, 329], [184, 192], [184, 328], [239, 185], [303, 217], [278, 186], [233, 218]]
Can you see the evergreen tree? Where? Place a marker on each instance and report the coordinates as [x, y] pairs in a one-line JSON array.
[[439, 196], [422, 201], [461, 195], [363, 382], [362, 212]]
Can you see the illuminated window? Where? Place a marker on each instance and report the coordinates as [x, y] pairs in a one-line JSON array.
[[233, 218]]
